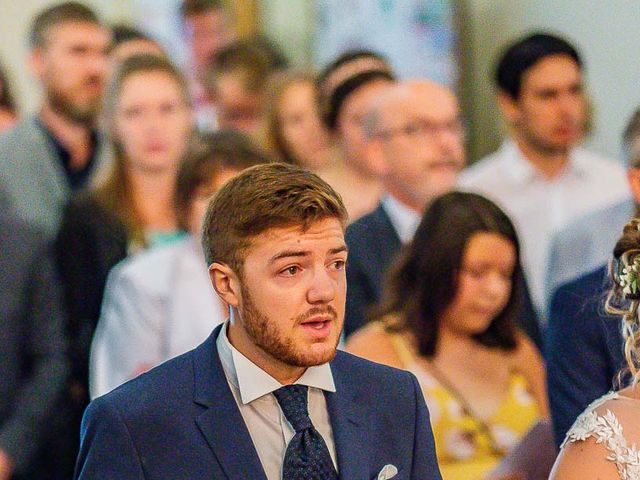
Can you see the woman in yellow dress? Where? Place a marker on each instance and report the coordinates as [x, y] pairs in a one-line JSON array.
[[449, 318]]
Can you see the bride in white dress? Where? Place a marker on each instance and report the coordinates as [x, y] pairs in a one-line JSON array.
[[602, 443]]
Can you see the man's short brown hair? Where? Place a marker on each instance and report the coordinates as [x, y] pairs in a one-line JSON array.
[[253, 59], [198, 7], [212, 154], [263, 197], [57, 14]]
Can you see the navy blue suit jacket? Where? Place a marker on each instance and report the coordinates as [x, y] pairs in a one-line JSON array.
[[584, 349], [180, 420], [373, 246]]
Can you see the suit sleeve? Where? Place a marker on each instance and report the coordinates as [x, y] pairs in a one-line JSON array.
[[128, 339], [578, 368], [45, 350], [106, 447], [425, 463]]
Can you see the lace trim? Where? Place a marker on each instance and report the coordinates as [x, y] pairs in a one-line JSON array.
[[607, 430]]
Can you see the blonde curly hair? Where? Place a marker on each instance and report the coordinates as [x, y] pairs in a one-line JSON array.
[[623, 300]]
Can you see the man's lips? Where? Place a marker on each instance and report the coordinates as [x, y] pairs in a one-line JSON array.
[[318, 319]]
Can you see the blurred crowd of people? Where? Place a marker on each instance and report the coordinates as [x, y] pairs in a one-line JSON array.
[[485, 282]]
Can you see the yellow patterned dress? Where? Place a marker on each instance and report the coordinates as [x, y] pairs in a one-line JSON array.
[[468, 448]]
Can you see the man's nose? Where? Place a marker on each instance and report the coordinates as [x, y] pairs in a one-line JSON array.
[[322, 288]]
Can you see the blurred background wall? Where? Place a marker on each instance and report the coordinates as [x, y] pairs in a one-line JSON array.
[[606, 33]]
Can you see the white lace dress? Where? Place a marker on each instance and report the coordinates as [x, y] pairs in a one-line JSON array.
[[607, 430]]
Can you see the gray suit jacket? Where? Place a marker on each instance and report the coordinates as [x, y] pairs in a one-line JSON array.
[[33, 177], [585, 245], [33, 368]]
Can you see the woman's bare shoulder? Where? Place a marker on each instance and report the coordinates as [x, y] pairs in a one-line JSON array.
[[374, 343], [584, 459], [602, 442]]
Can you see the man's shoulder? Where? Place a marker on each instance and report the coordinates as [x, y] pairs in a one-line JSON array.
[[166, 388], [586, 288], [597, 160], [483, 170], [375, 376], [372, 219], [22, 135], [375, 225]]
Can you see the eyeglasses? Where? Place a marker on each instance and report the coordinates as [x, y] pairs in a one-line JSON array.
[[424, 128]]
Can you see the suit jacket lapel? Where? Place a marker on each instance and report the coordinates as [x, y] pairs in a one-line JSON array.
[[350, 423], [222, 423]]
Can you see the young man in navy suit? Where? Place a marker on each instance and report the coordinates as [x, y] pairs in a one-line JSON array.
[[267, 396]]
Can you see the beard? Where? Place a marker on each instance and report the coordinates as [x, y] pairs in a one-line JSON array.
[[265, 334], [64, 105]]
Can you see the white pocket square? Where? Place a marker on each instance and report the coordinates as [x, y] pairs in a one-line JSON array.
[[387, 472]]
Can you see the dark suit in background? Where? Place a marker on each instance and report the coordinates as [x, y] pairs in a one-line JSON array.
[[181, 420], [584, 348], [33, 368], [91, 241], [373, 246]]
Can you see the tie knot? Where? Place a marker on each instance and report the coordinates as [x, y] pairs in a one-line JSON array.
[[293, 402]]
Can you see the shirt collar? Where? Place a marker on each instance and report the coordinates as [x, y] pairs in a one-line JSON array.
[[252, 382], [405, 220], [520, 169]]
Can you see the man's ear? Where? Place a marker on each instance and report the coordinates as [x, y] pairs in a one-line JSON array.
[[509, 108], [35, 61], [226, 283]]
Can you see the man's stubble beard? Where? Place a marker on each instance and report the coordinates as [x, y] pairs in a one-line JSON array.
[[266, 336], [62, 104]]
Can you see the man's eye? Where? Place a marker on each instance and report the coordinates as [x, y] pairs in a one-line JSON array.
[[292, 270], [339, 264], [412, 129]]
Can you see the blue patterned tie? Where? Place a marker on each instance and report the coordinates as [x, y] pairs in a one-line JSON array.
[[307, 456]]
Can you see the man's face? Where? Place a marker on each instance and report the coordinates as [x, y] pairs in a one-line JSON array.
[[422, 144], [550, 114], [208, 33], [292, 295], [238, 108], [72, 66]]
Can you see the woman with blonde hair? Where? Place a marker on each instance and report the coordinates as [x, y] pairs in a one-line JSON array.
[[148, 120], [602, 441], [293, 130]]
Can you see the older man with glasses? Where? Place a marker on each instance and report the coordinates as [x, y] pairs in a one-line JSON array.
[[415, 138]]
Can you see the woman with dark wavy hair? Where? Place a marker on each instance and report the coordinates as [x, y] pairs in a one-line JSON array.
[[451, 304]]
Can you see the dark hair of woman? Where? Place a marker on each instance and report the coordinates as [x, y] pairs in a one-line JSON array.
[[423, 282], [6, 97]]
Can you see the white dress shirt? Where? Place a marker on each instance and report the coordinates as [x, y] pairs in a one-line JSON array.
[[539, 207], [405, 220], [269, 429], [157, 305]]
